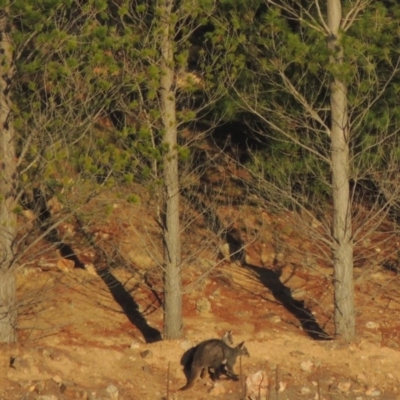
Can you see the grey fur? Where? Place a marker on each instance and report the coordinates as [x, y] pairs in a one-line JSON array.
[[216, 354], [227, 339], [187, 357]]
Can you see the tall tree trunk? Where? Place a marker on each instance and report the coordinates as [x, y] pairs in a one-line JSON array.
[[8, 178], [342, 225], [172, 251]]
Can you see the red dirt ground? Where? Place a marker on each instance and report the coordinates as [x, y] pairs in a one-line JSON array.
[[77, 342]]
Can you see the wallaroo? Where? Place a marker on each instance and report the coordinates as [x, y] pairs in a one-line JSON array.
[[187, 358], [216, 354]]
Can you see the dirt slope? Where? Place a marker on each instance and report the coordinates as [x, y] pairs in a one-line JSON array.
[[93, 335]]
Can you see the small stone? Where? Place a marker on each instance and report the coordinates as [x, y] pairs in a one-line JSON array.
[[203, 306], [146, 354], [112, 391], [296, 353], [40, 386], [91, 269], [305, 391], [275, 319], [146, 369], [299, 294], [315, 223], [257, 385], [282, 386], [65, 265], [92, 396], [373, 392], [63, 387], [48, 353], [344, 386], [361, 377], [306, 366], [57, 379], [134, 345], [267, 256], [225, 251], [25, 384], [372, 325]]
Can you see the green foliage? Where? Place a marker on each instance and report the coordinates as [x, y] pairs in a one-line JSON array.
[[17, 210], [77, 63], [133, 199], [184, 153], [289, 70]]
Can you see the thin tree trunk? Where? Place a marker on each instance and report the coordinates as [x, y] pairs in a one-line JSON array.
[[172, 257], [8, 178], [342, 224]]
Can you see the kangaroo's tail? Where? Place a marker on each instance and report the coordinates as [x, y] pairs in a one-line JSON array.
[[187, 386], [192, 379]]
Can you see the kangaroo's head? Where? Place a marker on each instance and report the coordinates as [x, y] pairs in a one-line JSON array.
[[227, 338], [243, 350]]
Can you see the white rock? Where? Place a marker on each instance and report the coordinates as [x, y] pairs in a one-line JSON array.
[[225, 251], [282, 386], [306, 366], [135, 345], [305, 391], [298, 294], [57, 379], [203, 305], [91, 269], [257, 385], [372, 325], [275, 319], [373, 392], [112, 391]]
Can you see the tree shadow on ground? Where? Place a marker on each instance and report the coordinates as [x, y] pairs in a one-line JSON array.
[[270, 279], [116, 288], [38, 204], [129, 306]]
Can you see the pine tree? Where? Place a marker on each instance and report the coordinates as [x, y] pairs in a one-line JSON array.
[[8, 182], [152, 68], [322, 74], [50, 97]]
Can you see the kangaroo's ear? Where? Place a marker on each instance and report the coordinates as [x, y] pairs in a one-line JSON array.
[[241, 345]]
